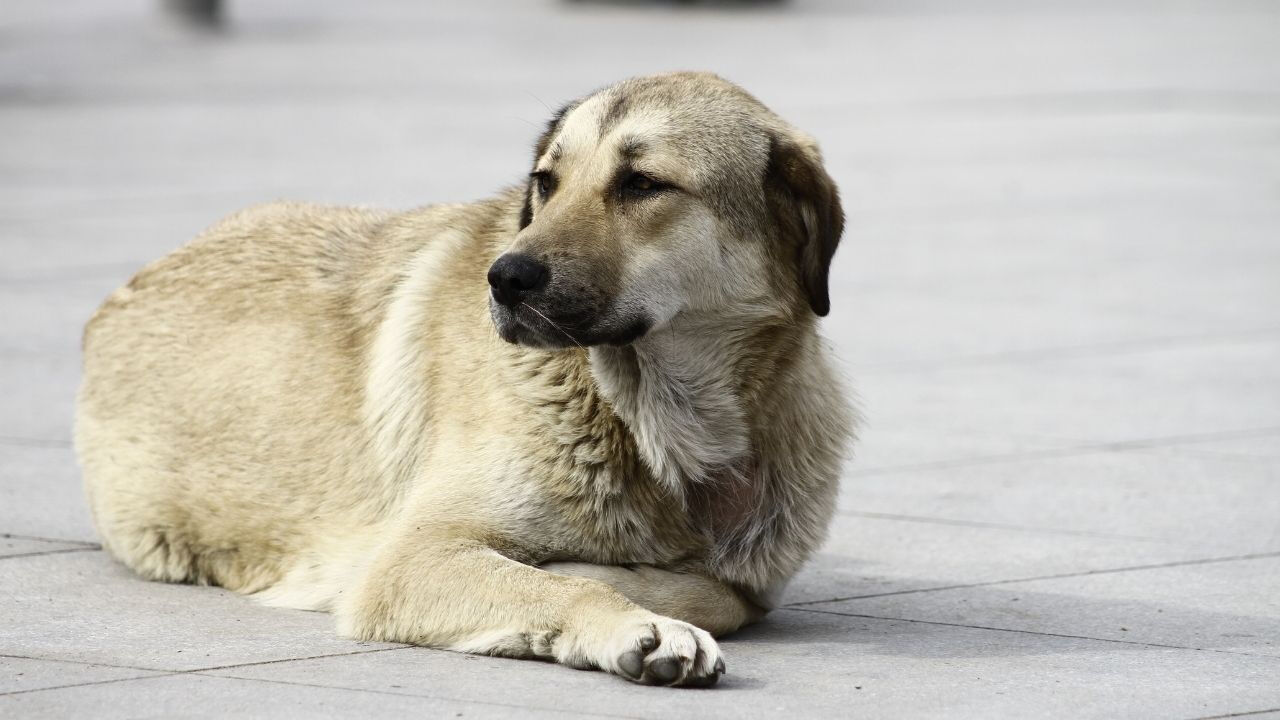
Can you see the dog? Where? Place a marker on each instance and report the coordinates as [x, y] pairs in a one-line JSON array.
[[589, 420]]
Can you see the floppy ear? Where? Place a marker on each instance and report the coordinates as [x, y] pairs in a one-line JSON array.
[[806, 206]]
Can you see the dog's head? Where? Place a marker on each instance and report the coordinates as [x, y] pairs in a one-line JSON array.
[[663, 195]]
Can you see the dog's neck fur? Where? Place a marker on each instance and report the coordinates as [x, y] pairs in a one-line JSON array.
[[680, 391], [677, 397], [703, 406], [677, 390]]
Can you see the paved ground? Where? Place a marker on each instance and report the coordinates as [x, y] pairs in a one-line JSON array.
[[1059, 297]]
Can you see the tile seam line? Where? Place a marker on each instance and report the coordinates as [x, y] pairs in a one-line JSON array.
[[171, 671], [1246, 713], [413, 695], [923, 519], [117, 666], [88, 684], [50, 443], [208, 672], [1037, 633], [297, 659], [40, 553], [41, 538], [1069, 451], [1058, 576], [1067, 352]]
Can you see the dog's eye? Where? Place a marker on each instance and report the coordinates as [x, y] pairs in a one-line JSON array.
[[543, 183], [641, 185]]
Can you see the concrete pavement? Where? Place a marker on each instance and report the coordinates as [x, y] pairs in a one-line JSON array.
[[1058, 297]]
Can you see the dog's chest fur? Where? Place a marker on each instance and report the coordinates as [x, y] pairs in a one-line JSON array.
[[587, 464], [605, 490]]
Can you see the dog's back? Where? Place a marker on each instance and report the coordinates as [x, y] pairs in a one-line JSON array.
[[217, 393]]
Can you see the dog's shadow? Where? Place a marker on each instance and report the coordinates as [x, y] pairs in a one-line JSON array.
[[1011, 620]]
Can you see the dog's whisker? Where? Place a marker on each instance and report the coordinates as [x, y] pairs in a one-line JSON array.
[[551, 323]]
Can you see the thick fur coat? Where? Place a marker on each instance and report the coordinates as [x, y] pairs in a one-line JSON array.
[[588, 420]]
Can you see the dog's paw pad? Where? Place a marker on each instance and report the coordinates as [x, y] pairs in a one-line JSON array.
[[666, 670], [631, 664], [669, 652]]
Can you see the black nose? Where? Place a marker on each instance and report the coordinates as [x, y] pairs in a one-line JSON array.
[[514, 276]]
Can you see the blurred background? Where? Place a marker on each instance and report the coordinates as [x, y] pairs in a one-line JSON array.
[[1058, 293], [1023, 180]]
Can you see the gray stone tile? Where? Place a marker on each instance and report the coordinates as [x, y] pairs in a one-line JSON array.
[[92, 254], [19, 674], [995, 287], [1229, 606], [47, 318], [41, 493], [11, 546], [874, 555], [39, 392], [1220, 387], [803, 664], [1265, 447], [88, 608], [202, 696], [891, 444], [1219, 505]]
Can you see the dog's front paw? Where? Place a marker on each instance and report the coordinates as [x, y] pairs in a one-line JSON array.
[[656, 650]]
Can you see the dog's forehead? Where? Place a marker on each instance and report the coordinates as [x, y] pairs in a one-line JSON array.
[[624, 117], [588, 124]]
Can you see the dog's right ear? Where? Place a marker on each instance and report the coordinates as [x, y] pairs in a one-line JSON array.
[[806, 206], [540, 148]]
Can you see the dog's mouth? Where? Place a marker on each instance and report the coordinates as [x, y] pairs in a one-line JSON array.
[[526, 324]]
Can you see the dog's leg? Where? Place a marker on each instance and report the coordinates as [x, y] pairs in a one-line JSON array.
[[688, 596], [428, 588]]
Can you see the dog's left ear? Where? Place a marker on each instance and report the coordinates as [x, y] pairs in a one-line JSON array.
[[806, 206]]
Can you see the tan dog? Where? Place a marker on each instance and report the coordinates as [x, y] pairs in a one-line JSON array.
[[623, 443]]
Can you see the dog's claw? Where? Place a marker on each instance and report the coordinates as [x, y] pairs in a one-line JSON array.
[[706, 681]]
